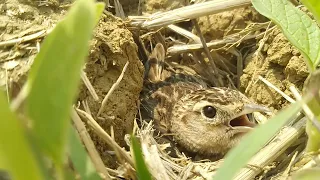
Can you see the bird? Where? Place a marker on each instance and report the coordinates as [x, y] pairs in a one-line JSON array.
[[203, 120]]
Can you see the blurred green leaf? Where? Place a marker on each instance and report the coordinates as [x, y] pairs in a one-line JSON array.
[[141, 168], [307, 174], [296, 25], [80, 158], [253, 142], [54, 78], [313, 144], [314, 7], [312, 85], [99, 10], [16, 155]]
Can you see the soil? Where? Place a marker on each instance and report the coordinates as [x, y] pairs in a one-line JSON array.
[[18, 19], [152, 6], [111, 48], [219, 25], [278, 62]]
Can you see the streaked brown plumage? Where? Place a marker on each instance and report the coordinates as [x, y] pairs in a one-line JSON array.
[[203, 120]]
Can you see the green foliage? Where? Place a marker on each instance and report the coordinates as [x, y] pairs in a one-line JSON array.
[[14, 146], [312, 84], [314, 7], [313, 143], [99, 10], [142, 170], [54, 78], [303, 33], [307, 174], [52, 87], [80, 158], [296, 25], [253, 142]]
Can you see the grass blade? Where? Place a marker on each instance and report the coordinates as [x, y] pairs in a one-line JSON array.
[[99, 10], [253, 142], [141, 168], [54, 78], [16, 154], [80, 158], [296, 25]]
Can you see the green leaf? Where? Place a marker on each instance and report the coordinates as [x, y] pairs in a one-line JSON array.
[[253, 142], [99, 10], [80, 158], [314, 7], [296, 25], [16, 155], [141, 168], [307, 174], [54, 78]]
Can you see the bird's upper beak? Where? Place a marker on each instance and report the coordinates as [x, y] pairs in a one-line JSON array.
[[241, 121]]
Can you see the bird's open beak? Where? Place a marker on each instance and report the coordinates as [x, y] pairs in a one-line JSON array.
[[241, 121]]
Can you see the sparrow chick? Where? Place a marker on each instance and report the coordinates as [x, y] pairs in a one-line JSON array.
[[203, 120]]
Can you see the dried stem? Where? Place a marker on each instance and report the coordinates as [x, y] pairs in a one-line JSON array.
[[87, 141], [188, 12], [105, 136], [288, 98], [30, 37], [89, 86], [113, 87], [211, 61]]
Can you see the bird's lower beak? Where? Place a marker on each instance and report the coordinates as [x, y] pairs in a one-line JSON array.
[[241, 122]]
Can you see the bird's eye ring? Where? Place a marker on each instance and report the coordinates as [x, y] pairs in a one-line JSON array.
[[209, 111]]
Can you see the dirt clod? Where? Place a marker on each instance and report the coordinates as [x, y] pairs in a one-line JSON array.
[[111, 48], [216, 26], [281, 64]]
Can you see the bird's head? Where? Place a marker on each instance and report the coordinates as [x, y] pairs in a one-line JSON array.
[[211, 121]]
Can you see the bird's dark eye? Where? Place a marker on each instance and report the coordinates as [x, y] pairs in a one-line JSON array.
[[209, 111]]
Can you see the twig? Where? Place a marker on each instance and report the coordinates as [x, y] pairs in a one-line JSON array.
[[206, 50], [151, 152], [87, 141], [105, 136], [119, 9], [113, 87], [7, 86], [37, 35], [257, 54], [89, 86], [264, 39], [285, 174], [185, 33], [188, 12], [114, 172], [276, 89], [306, 109], [235, 52], [22, 95], [86, 107], [231, 39]]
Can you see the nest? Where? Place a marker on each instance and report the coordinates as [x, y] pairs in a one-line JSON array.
[[191, 53]]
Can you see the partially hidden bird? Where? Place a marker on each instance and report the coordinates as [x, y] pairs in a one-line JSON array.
[[203, 120]]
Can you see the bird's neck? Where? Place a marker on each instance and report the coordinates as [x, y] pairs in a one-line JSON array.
[[159, 104]]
